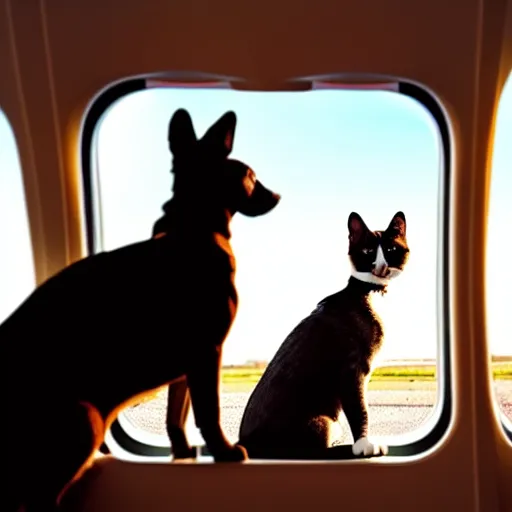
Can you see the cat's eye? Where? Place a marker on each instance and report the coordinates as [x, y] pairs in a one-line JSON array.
[[366, 251], [390, 249]]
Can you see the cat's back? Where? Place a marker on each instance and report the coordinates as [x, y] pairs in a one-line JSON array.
[[339, 324], [339, 336], [301, 367]]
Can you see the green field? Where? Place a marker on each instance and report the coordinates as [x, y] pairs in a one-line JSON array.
[[240, 379]]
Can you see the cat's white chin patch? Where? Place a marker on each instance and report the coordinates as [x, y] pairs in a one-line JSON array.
[[364, 447], [368, 277]]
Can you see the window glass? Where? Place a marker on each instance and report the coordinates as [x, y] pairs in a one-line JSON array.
[[499, 243], [328, 153], [17, 276]]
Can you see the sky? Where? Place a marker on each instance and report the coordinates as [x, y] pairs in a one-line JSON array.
[[327, 153]]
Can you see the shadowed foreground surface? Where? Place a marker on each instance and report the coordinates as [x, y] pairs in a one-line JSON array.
[[391, 412]]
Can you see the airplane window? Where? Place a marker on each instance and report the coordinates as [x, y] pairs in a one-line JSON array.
[[328, 152], [17, 275], [499, 281]]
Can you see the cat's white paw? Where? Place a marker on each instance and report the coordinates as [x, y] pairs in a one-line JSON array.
[[364, 447]]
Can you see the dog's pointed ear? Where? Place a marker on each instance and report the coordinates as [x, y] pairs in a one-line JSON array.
[[356, 227], [397, 225], [222, 133], [181, 135]]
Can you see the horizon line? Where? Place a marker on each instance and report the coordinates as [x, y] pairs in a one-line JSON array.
[[495, 358]]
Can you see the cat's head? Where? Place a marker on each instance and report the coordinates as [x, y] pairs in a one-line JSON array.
[[377, 257]]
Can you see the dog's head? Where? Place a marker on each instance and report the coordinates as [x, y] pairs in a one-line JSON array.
[[203, 173], [377, 256]]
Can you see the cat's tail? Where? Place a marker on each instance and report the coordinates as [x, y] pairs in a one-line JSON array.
[[300, 452]]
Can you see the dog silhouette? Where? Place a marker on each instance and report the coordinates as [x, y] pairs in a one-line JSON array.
[[112, 327]]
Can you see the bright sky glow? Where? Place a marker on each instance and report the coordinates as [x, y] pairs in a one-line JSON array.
[[328, 153]]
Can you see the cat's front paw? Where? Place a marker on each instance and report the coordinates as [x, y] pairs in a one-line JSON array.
[[235, 453], [364, 447]]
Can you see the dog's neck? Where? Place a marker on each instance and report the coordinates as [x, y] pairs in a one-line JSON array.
[[181, 219]]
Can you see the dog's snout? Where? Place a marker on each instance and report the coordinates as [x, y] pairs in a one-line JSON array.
[[249, 184]]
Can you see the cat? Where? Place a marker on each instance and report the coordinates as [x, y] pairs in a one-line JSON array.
[[323, 366]]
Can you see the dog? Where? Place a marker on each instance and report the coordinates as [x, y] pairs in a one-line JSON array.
[[113, 327]]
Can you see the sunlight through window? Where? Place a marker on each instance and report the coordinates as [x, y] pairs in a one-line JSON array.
[[16, 264], [328, 153], [499, 282]]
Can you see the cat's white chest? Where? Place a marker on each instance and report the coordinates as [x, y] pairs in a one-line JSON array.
[[376, 301], [378, 305]]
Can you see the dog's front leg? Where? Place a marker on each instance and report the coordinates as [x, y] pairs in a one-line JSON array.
[[203, 378], [178, 407]]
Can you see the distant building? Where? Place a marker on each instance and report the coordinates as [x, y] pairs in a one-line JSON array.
[[256, 363]]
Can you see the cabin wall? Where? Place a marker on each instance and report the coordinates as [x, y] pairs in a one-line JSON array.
[[56, 56]]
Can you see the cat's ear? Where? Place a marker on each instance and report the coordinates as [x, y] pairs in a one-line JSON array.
[[397, 226], [356, 227], [221, 134], [181, 135]]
